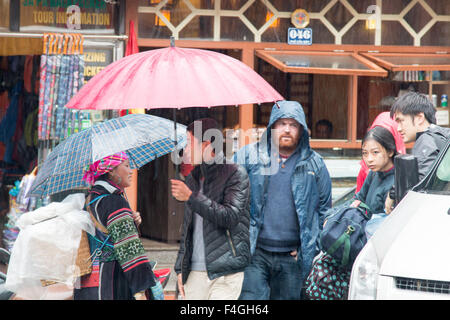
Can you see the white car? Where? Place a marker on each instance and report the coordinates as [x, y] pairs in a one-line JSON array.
[[408, 257]]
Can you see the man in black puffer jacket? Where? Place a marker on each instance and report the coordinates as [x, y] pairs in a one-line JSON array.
[[215, 246]]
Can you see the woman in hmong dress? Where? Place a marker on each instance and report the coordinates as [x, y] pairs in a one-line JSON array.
[[122, 271]]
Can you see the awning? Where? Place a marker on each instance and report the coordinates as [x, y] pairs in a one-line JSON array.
[[322, 62], [411, 61], [20, 46]]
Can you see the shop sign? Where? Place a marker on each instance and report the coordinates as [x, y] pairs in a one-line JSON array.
[[95, 60], [300, 36], [93, 4], [87, 14]]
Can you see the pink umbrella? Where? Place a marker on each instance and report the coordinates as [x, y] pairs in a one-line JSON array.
[[174, 78]]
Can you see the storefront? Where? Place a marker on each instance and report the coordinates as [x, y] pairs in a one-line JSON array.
[[337, 74], [355, 59], [48, 50], [254, 31]]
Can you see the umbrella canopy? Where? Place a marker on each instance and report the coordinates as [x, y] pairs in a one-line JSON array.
[[174, 78], [143, 137]]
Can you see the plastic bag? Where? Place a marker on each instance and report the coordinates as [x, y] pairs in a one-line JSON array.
[[46, 247]]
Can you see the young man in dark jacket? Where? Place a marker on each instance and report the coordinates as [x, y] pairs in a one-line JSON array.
[[416, 119], [214, 247], [290, 195]]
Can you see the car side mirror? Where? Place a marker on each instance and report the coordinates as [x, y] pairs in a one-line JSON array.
[[406, 175]]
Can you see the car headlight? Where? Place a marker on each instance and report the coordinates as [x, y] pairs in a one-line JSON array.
[[363, 281]]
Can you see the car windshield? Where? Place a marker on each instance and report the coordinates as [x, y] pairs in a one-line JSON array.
[[440, 181]]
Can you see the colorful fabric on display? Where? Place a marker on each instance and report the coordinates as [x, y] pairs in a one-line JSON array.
[[9, 122], [61, 76], [42, 81], [103, 166]]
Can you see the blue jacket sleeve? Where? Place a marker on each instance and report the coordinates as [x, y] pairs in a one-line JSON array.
[[324, 188]]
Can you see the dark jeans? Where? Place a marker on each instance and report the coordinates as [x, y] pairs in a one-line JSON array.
[[272, 276]]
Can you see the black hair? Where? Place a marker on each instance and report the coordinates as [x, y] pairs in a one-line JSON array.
[[103, 177], [325, 122], [384, 137], [413, 103], [206, 124]]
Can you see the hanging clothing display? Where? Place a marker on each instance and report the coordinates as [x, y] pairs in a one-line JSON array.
[[61, 76], [19, 101], [20, 204], [8, 123], [34, 90], [18, 139]]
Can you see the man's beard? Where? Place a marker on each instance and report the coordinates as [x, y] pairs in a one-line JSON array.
[[287, 146]]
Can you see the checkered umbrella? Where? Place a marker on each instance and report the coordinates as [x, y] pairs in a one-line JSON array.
[[143, 137]]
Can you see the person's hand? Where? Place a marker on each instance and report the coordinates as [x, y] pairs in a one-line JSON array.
[[294, 254], [355, 203], [388, 205], [137, 218], [180, 285], [180, 190]]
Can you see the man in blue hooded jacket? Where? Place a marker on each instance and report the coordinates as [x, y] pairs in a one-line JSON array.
[[290, 194]]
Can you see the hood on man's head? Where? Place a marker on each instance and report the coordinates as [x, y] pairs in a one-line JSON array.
[[288, 109], [291, 110]]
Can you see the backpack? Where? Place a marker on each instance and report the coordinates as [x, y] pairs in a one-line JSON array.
[[343, 235], [327, 279]]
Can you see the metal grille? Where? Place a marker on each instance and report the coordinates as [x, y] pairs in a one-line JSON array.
[[432, 286]]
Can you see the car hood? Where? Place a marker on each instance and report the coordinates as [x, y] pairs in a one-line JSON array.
[[413, 242]]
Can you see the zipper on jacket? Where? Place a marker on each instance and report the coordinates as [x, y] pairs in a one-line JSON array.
[[185, 247], [231, 243]]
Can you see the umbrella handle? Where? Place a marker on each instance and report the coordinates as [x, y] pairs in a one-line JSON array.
[[60, 43], [76, 43], [45, 43], [55, 43], [66, 40], [50, 43], [177, 167], [81, 43]]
